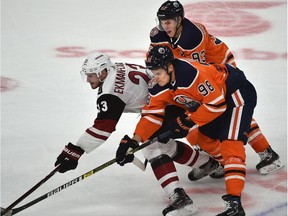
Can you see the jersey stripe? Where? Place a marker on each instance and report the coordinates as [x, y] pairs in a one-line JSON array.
[[236, 115], [153, 120], [144, 111]]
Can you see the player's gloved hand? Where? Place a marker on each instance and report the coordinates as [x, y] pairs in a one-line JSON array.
[[179, 128], [68, 159], [127, 144]]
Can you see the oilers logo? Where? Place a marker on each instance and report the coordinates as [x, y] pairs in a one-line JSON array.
[[191, 104]]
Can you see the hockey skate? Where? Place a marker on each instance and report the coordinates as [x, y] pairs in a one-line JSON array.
[[269, 162], [204, 170], [181, 204], [233, 206], [219, 173]]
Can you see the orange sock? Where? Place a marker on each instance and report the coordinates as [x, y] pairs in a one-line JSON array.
[[234, 157], [256, 139]]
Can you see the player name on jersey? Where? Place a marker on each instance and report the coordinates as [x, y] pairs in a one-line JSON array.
[[120, 78]]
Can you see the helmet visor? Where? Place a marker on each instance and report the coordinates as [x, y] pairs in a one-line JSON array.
[[85, 72]]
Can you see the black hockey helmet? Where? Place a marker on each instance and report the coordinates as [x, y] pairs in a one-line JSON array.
[[170, 9], [159, 57]]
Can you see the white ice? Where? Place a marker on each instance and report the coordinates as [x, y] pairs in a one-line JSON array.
[[52, 106]]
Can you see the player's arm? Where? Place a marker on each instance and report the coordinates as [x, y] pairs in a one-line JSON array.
[[110, 109], [149, 123], [216, 50], [152, 114]]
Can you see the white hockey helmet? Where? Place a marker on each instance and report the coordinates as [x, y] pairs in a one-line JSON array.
[[96, 62]]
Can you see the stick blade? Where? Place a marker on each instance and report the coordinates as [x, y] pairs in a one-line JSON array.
[[4, 213]]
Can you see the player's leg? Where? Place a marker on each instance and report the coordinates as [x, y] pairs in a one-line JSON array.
[[159, 155], [234, 134], [212, 147], [269, 159], [233, 158], [165, 172], [233, 153]]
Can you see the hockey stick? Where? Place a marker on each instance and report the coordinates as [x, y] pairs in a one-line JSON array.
[[4, 211], [9, 212]]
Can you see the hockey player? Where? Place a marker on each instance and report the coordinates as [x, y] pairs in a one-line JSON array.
[[191, 40], [122, 87], [218, 99]]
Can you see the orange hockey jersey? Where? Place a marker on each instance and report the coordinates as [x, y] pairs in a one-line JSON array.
[[198, 88], [194, 43]]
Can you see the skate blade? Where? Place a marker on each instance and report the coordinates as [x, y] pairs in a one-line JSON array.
[[276, 165], [186, 211]]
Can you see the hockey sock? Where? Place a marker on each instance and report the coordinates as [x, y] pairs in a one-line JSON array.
[[256, 138], [233, 153], [165, 172], [188, 156]]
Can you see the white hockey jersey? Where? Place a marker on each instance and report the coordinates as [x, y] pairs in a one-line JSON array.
[[125, 89]]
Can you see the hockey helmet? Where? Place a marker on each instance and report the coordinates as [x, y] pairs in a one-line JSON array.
[[159, 57], [96, 63], [170, 9]]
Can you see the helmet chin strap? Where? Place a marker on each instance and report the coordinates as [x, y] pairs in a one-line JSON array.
[[170, 74], [177, 27], [102, 79], [170, 77]]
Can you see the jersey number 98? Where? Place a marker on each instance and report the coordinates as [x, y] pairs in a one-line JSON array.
[[205, 88]]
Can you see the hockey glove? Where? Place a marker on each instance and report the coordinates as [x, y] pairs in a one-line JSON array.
[[68, 159], [122, 154], [179, 128]]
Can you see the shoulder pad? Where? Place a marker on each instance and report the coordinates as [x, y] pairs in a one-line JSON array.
[[155, 89], [154, 32], [157, 36], [152, 83], [186, 72], [200, 26], [190, 30]]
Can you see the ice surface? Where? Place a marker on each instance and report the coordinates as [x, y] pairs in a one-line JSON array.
[[52, 106]]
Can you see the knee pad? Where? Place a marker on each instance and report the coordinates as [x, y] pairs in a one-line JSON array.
[[192, 136], [211, 146], [232, 150]]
